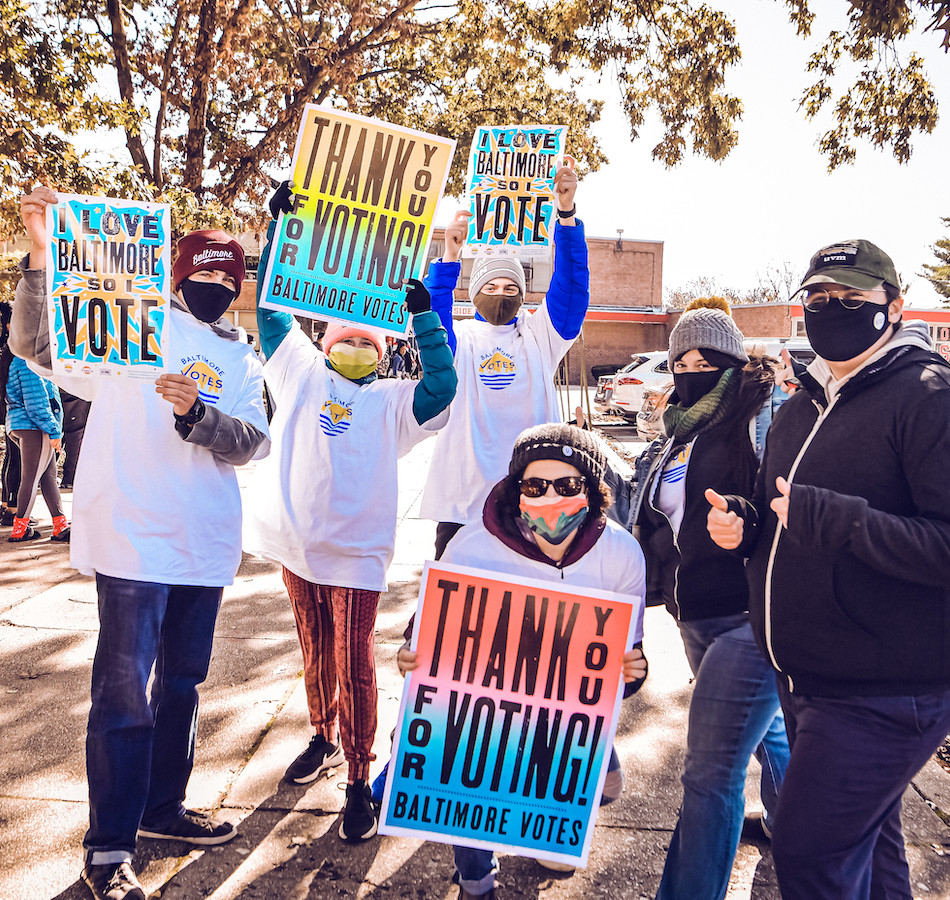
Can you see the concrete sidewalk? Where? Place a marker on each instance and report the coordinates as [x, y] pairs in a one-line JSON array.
[[254, 722]]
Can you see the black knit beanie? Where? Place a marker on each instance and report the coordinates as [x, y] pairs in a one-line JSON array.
[[567, 443]]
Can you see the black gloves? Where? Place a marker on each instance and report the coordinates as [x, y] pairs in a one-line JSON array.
[[417, 299], [281, 201]]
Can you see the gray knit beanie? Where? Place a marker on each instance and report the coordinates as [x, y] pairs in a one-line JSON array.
[[488, 267], [706, 329]]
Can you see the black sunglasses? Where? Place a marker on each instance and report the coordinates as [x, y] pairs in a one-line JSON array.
[[568, 486]]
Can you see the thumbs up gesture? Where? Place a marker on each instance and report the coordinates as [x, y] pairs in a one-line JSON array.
[[724, 527]]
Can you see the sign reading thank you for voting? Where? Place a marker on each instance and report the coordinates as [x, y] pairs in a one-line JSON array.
[[365, 195], [510, 181], [107, 278], [506, 725]]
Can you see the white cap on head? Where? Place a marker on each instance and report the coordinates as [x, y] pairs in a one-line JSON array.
[[487, 268]]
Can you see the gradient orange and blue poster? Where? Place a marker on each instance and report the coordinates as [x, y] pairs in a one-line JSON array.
[[107, 280], [511, 185], [365, 195], [506, 726]]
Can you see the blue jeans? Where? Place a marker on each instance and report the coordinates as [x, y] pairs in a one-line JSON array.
[[140, 749], [838, 830], [733, 714]]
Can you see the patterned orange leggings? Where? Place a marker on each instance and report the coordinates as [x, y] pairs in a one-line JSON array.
[[336, 629]]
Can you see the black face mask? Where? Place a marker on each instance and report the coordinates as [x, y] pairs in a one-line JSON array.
[[840, 334], [207, 301], [693, 386], [497, 309]]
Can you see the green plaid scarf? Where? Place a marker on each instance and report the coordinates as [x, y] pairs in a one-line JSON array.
[[683, 423]]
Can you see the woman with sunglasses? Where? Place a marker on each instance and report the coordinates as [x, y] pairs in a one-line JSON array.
[[547, 519], [718, 390]]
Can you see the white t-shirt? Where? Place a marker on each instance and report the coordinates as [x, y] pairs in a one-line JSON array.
[[149, 506], [670, 494], [324, 502], [505, 384], [615, 563]]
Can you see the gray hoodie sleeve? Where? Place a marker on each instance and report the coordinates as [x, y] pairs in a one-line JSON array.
[[232, 440], [29, 325]]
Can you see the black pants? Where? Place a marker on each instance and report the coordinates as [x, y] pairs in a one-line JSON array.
[[444, 532], [38, 466]]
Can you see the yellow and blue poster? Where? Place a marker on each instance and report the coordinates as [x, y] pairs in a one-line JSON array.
[[510, 181], [365, 195], [506, 726], [107, 279]]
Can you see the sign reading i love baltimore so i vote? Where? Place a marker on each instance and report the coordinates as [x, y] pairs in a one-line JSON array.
[[506, 726], [365, 195], [511, 185], [107, 279]]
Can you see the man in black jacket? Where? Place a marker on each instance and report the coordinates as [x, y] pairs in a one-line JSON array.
[[848, 538]]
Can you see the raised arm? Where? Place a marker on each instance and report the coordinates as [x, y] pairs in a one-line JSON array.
[[569, 294], [443, 274], [435, 390]]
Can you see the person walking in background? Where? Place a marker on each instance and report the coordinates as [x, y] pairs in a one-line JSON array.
[[34, 419], [157, 515], [734, 711], [505, 361], [10, 472], [848, 537], [75, 414]]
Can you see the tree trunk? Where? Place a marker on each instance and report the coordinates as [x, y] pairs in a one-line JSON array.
[[202, 70]]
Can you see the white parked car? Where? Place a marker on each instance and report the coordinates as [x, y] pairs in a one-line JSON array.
[[647, 370]]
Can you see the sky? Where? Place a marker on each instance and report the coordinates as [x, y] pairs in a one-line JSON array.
[[772, 199]]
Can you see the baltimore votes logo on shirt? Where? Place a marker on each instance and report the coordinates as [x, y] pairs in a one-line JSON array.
[[335, 416], [497, 370], [209, 377], [675, 469]]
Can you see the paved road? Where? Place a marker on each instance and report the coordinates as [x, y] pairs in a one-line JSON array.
[[254, 721]]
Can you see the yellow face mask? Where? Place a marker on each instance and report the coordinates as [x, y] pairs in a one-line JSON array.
[[353, 362]]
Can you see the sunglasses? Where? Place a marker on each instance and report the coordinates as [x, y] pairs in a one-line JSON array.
[[815, 301], [569, 486]]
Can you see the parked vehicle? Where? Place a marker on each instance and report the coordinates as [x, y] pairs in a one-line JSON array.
[[605, 389], [646, 370]]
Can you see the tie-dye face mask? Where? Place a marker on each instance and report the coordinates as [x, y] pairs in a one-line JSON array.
[[554, 518]]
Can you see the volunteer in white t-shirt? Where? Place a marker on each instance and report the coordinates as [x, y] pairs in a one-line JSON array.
[[505, 361], [157, 520], [324, 506]]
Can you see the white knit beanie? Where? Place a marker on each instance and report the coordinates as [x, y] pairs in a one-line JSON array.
[[488, 267]]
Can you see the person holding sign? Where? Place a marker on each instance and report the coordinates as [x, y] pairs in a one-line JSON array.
[[324, 506], [157, 519], [734, 712], [547, 519], [505, 361]]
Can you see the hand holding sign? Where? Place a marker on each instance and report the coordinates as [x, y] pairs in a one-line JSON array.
[[417, 297], [565, 185], [455, 233], [33, 213], [634, 665], [724, 527], [179, 390]]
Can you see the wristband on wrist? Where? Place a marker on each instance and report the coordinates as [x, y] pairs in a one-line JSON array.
[[184, 424], [567, 214]]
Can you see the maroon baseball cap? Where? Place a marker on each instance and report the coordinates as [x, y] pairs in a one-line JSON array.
[[209, 249]]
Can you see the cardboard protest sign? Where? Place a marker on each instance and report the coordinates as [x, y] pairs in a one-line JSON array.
[[107, 279], [511, 184], [365, 195], [506, 726]]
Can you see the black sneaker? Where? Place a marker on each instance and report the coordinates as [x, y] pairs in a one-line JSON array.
[[113, 881], [359, 813], [319, 757], [192, 828]]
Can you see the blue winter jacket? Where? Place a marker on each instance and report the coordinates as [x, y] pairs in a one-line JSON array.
[[33, 403]]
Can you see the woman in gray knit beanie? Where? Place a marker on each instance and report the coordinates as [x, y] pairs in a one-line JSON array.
[[734, 710]]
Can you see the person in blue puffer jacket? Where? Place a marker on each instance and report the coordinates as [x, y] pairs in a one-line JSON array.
[[34, 419]]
